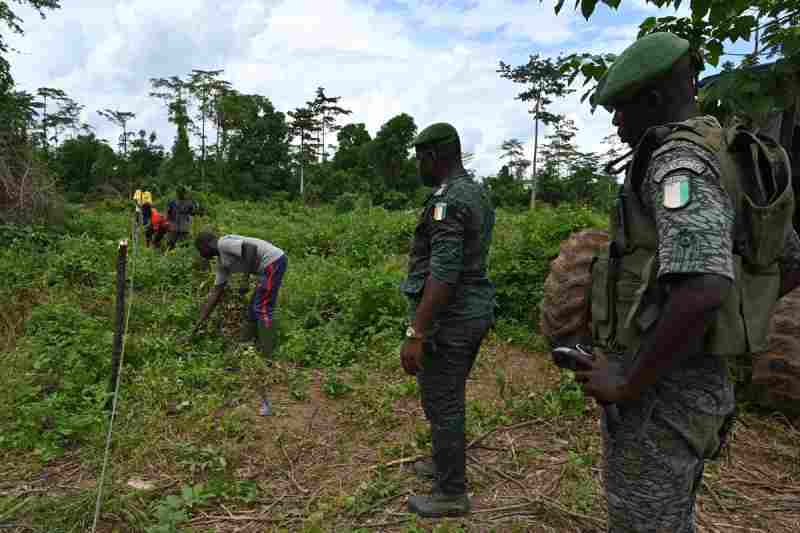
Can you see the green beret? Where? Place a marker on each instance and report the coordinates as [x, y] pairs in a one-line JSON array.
[[439, 133], [645, 60]]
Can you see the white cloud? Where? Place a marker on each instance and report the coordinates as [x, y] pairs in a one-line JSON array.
[[433, 60]]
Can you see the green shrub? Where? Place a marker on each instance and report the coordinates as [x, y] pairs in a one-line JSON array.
[[523, 247], [68, 353]]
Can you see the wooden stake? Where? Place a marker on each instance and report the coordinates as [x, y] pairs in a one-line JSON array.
[[119, 319]]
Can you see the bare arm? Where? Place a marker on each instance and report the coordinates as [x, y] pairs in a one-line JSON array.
[[214, 298], [436, 297]]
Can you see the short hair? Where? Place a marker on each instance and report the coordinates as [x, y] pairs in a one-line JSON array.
[[204, 239]]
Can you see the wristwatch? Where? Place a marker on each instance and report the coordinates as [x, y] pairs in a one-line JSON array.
[[411, 333]]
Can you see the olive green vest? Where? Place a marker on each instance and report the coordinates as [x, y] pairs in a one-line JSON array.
[[626, 298]]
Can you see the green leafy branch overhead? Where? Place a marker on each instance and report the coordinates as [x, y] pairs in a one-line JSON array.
[[712, 27]]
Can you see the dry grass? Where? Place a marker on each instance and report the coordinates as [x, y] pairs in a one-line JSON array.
[[342, 464]]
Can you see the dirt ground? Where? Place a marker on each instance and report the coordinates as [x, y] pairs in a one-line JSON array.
[[325, 463]]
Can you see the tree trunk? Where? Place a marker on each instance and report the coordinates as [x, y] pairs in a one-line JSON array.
[[301, 163], [323, 137], [203, 140], [44, 125], [125, 159], [535, 150]]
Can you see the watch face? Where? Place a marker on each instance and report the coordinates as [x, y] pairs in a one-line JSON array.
[[410, 331]]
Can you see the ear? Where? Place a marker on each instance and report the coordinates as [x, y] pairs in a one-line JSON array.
[[654, 99]]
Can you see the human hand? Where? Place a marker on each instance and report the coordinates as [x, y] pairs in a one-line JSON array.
[[602, 380], [411, 356]]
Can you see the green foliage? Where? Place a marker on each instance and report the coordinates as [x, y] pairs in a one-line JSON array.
[[258, 149], [175, 509], [712, 27], [333, 386], [85, 163], [522, 250], [339, 305], [372, 493], [506, 191], [69, 357]]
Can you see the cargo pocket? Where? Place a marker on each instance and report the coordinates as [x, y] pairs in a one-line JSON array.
[[728, 333], [634, 312], [759, 294]]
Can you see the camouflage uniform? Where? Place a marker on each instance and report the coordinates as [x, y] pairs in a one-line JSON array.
[[654, 456], [451, 244]]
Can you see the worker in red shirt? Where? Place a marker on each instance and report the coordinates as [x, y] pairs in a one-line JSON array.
[[156, 225]]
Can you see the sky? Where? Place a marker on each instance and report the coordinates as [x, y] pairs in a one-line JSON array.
[[433, 59]]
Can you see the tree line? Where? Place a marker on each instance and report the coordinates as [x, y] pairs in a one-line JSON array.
[[245, 147]]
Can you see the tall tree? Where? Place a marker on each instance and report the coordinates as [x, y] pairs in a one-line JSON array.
[[54, 95], [174, 91], [515, 153], [327, 112], [389, 153], [85, 163], [219, 91], [120, 119], [146, 155], [259, 149], [559, 149], [350, 153], [202, 84], [304, 127], [545, 81]]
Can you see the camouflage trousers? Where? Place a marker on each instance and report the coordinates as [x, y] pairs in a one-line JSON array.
[[450, 352], [655, 454]]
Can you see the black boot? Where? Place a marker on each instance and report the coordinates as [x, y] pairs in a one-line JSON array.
[[425, 469], [248, 330], [266, 340], [439, 504]]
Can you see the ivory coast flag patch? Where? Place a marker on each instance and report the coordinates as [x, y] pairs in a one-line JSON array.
[[677, 191], [439, 211]]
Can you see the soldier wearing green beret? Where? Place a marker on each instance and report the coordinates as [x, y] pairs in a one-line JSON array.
[[670, 300], [451, 308]]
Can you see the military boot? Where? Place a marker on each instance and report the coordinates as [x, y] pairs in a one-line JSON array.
[[248, 330], [425, 469], [266, 340], [438, 505]]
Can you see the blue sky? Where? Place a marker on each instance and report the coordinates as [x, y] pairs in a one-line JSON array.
[[434, 60]]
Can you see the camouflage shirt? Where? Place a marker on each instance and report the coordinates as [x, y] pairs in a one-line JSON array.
[[451, 244], [696, 238]]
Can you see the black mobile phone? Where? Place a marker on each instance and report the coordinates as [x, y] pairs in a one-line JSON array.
[[564, 357]]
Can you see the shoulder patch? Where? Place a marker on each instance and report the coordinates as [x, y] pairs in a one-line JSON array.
[[439, 211], [662, 169], [677, 191]]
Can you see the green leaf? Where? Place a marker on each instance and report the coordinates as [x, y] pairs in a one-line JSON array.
[[587, 8], [700, 8], [714, 50]]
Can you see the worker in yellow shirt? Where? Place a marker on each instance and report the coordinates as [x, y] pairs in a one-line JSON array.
[[141, 198]]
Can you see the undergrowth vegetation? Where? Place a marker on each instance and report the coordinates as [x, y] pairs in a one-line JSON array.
[[340, 313]]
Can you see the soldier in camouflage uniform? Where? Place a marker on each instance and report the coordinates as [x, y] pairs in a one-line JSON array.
[[671, 299], [451, 307]]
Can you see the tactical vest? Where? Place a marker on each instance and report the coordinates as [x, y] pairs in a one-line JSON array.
[[626, 299]]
